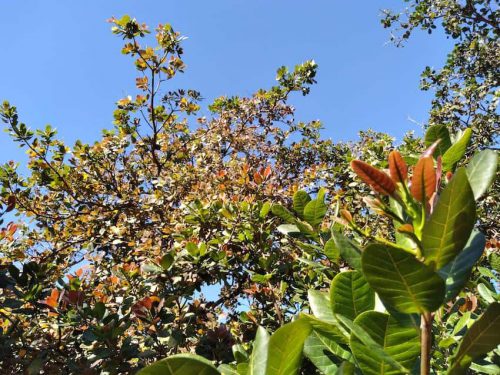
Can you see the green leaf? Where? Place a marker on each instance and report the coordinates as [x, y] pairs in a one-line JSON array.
[[481, 171], [403, 282], [285, 348], [283, 213], [239, 353], [300, 200], [151, 268], [350, 294], [320, 305], [348, 250], [288, 229], [228, 370], [481, 338], [99, 310], [166, 261], [331, 329], [450, 225], [323, 353], [486, 293], [258, 359], [332, 251], [401, 238], [319, 349], [266, 207], [399, 342], [457, 272], [490, 369], [181, 364], [457, 151], [315, 211], [370, 345], [346, 368], [438, 132]]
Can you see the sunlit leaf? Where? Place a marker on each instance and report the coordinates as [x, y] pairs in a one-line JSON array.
[[481, 171], [481, 338], [423, 182], [181, 364], [285, 348], [450, 225], [401, 280], [350, 294], [402, 343], [378, 180]]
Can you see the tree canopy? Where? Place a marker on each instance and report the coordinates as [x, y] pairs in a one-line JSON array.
[[104, 266]]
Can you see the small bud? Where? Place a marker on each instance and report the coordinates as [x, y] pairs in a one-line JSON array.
[[346, 215]]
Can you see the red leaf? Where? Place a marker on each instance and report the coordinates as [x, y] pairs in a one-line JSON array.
[[142, 307], [257, 178], [378, 180], [52, 300], [423, 183], [73, 297], [267, 172], [397, 167], [11, 203]]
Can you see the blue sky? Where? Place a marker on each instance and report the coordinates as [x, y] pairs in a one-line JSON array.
[[61, 65]]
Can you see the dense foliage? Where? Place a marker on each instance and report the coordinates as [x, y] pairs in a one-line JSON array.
[[378, 318], [104, 265]]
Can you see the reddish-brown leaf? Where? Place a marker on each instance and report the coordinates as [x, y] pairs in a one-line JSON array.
[[52, 300], [397, 167], [346, 215], [378, 180], [11, 203], [257, 177], [423, 183], [72, 297], [142, 308], [266, 172], [406, 228]]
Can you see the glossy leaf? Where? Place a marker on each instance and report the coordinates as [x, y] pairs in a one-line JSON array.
[[350, 294], [315, 211], [181, 364], [481, 338], [283, 213], [324, 321], [400, 342], [481, 171], [457, 151], [397, 167], [320, 305], [402, 281], [359, 334], [450, 225], [457, 272], [379, 181], [325, 353], [258, 360], [438, 132], [285, 348], [331, 329], [423, 182], [332, 251], [300, 200], [349, 251]]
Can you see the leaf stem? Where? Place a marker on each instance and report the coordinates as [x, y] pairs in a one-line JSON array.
[[425, 343]]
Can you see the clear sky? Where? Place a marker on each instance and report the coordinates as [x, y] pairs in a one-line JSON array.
[[61, 65]]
